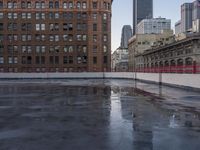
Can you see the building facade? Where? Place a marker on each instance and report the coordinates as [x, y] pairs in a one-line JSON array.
[[55, 35], [126, 35], [178, 27], [154, 25], [120, 60], [139, 43], [142, 9], [172, 58]]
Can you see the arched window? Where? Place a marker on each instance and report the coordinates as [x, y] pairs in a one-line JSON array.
[[56, 4], [29, 5], [84, 5], [10, 5], [14, 4], [166, 63], [78, 5], [43, 5], [180, 62], [161, 64], [189, 61], [71, 5], [51, 4], [37, 5], [23, 5], [156, 64], [65, 5], [172, 63]]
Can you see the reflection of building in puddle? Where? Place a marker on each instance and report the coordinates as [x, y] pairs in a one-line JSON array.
[[184, 119]]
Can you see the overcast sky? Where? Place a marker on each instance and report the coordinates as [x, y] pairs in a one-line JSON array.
[[122, 15]]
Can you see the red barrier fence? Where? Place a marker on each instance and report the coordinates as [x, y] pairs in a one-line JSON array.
[[192, 69]]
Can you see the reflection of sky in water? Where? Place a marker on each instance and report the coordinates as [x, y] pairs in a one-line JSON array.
[[97, 114]]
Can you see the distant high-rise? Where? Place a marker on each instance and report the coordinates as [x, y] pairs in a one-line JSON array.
[[155, 25], [186, 16], [142, 9], [126, 35]]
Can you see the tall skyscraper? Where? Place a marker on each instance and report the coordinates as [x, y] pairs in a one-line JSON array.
[[126, 35], [186, 16], [55, 35], [142, 9]]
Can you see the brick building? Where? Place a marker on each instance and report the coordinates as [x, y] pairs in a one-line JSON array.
[[55, 35]]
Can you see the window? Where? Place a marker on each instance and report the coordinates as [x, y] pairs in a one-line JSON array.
[[28, 5], [65, 59], [43, 49], [42, 27], [104, 16], [1, 5], [56, 38], [57, 15], [37, 27], [1, 37], [78, 5], [94, 5], [50, 4], [37, 5], [15, 48], [42, 16], [65, 5], [94, 48], [51, 38], [85, 49], [105, 60], [14, 15], [94, 38], [84, 5], [70, 5], [56, 4], [23, 38], [1, 15], [10, 60], [9, 15], [95, 60], [70, 38], [105, 49], [14, 4], [15, 60], [105, 38], [65, 48], [71, 60], [10, 5], [51, 15], [84, 37], [104, 27], [71, 49], [1, 26], [94, 16], [105, 5], [65, 37], [94, 27], [78, 37], [11, 26], [1, 60], [42, 5], [79, 60], [28, 15]]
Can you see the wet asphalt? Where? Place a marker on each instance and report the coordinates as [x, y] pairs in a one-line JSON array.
[[97, 115]]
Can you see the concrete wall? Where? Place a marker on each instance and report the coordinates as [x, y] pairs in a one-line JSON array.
[[182, 80]]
